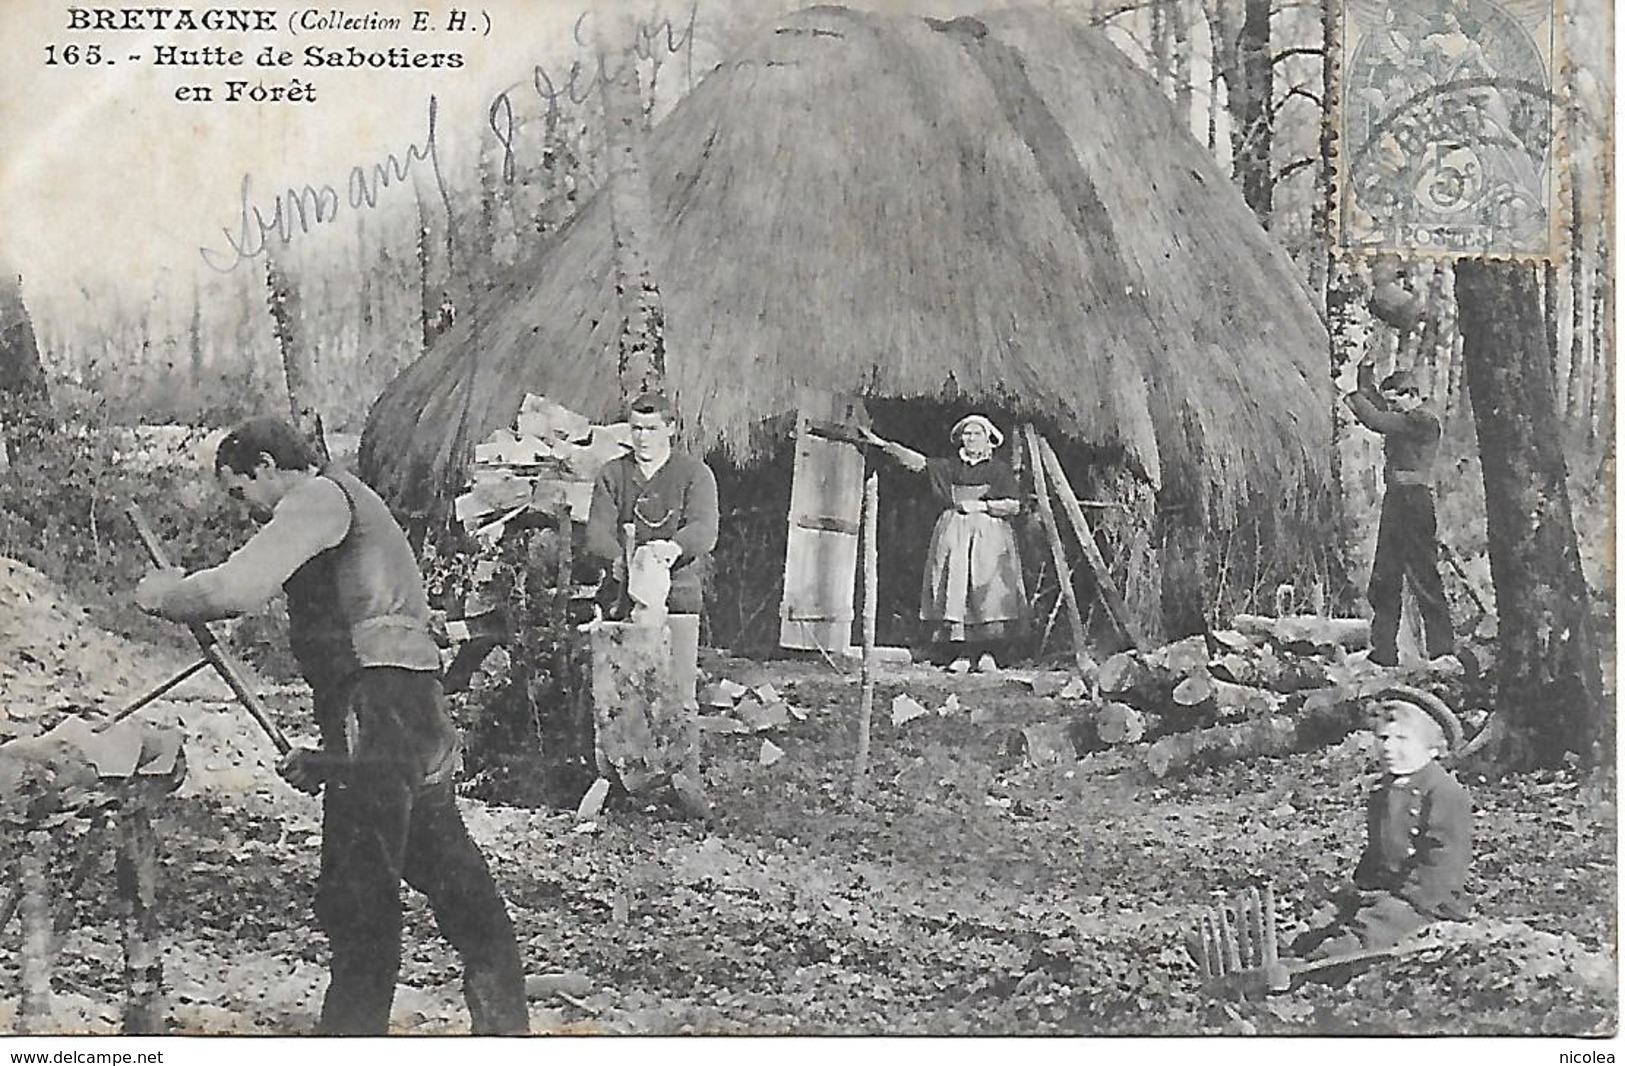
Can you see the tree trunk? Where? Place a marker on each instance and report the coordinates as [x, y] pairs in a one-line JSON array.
[[1549, 687], [249, 297], [1428, 360], [35, 955], [1161, 39], [1254, 137], [1179, 21], [364, 276], [297, 370], [490, 197], [1569, 396], [428, 303], [1216, 44], [1600, 407], [194, 338], [1548, 291], [1350, 329], [642, 342], [25, 413]]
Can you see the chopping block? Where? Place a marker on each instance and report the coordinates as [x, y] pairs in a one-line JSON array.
[[643, 721]]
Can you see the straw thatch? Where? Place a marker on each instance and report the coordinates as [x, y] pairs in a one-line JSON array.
[[1002, 211]]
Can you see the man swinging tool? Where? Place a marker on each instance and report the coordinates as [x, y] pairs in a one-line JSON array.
[[1407, 537], [360, 625]]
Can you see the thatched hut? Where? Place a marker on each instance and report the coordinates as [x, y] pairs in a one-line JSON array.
[[1000, 212]]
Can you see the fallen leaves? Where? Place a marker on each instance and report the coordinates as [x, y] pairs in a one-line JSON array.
[[968, 892], [545, 985]]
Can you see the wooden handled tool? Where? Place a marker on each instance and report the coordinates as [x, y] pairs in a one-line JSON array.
[[1237, 949], [213, 653]]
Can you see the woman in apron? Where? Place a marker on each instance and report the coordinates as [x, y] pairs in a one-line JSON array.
[[972, 600]]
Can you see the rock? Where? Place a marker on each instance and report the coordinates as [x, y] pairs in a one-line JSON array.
[[905, 708], [1118, 723], [721, 723], [1182, 657], [759, 716], [545, 985], [593, 801], [1048, 684], [1076, 688], [1307, 631], [1047, 744], [691, 796]]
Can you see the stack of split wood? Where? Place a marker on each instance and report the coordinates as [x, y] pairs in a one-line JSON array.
[[1265, 686], [729, 707], [550, 457]]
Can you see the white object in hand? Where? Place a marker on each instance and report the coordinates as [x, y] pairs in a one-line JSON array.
[[649, 583]]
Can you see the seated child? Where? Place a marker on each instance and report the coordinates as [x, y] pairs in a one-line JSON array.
[[1418, 841]]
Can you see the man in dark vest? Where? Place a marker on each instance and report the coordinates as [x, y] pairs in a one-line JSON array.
[[1407, 536], [359, 620]]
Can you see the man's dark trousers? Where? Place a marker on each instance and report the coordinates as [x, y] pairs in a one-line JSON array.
[[1407, 548], [381, 825]]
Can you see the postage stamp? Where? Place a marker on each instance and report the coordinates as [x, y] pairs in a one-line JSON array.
[[1447, 118]]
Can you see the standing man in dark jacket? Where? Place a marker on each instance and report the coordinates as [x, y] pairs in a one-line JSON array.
[[662, 495], [360, 622], [1407, 536]]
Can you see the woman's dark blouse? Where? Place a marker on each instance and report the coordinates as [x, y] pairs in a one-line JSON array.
[[994, 473]]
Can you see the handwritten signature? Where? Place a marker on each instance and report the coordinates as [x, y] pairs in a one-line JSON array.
[[579, 81], [296, 212]]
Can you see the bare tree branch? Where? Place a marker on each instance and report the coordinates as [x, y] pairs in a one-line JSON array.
[[1293, 167], [1297, 90], [1288, 53], [1119, 11]]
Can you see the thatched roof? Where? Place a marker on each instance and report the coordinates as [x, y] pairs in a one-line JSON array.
[[1002, 210]]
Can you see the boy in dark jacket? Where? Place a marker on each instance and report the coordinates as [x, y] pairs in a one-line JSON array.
[[1418, 841]]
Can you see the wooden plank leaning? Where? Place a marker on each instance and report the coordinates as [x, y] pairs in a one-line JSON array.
[[1086, 538], [209, 645], [1046, 510]]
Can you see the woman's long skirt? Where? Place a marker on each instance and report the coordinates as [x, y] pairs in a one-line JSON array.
[[973, 589]]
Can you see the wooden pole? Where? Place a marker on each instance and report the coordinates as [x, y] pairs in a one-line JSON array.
[[1086, 538], [576, 733], [871, 581], [1080, 650], [136, 875]]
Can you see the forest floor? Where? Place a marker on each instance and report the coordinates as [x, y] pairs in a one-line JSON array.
[[968, 891]]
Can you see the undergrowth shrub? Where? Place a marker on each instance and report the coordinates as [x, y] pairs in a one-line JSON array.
[[62, 512], [526, 742]]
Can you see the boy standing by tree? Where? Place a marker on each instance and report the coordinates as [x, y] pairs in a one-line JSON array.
[[1407, 538], [360, 622], [1418, 839]]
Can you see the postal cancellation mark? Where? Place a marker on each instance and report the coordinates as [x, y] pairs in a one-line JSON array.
[[1446, 115]]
